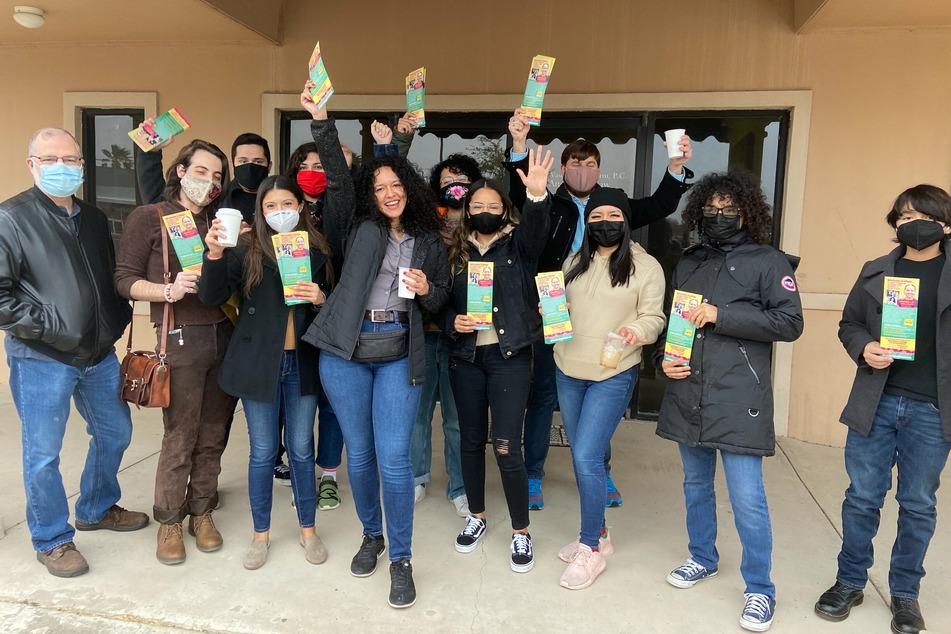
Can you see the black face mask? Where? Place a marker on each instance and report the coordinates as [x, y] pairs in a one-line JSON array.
[[920, 234], [454, 194], [250, 175], [606, 233], [486, 223], [720, 227]]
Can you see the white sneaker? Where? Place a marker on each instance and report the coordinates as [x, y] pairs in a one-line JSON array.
[[420, 493], [462, 505]]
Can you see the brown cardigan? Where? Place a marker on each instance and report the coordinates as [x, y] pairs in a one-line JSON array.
[[140, 258]]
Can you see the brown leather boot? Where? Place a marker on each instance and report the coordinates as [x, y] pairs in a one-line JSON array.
[[64, 561], [207, 537], [171, 546]]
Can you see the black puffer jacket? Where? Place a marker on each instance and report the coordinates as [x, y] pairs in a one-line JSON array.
[[727, 401], [56, 288]]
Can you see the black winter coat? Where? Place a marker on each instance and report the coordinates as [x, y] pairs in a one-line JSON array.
[[514, 297], [727, 401], [862, 323]]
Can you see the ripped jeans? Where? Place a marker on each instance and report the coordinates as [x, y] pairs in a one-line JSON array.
[[501, 383]]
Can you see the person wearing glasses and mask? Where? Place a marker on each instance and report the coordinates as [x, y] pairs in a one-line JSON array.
[[723, 400]]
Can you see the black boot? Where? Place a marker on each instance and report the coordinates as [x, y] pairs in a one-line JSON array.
[[836, 602], [907, 617]]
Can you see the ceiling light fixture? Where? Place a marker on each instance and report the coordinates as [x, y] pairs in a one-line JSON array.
[[30, 17]]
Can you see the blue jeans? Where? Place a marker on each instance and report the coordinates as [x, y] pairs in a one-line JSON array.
[[744, 481], [541, 407], [376, 407], [908, 433], [591, 411], [265, 437], [41, 392], [329, 436], [437, 384]]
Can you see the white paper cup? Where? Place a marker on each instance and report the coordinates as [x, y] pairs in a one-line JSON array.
[[403, 291], [673, 142], [231, 223]]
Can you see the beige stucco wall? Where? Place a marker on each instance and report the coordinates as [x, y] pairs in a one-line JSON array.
[[879, 112]]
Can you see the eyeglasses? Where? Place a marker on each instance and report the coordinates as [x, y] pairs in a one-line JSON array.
[[480, 207], [52, 160], [458, 178], [711, 211]]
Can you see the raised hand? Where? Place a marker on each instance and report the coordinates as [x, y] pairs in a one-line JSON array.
[[307, 100], [518, 128], [406, 124], [382, 133], [536, 182], [676, 165], [151, 122]]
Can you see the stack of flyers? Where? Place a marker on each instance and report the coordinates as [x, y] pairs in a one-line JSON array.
[[167, 125], [292, 250], [416, 96], [188, 245], [680, 332], [556, 323], [900, 317], [322, 89], [479, 294], [535, 89]]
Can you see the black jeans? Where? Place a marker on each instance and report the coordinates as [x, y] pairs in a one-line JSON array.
[[493, 381]]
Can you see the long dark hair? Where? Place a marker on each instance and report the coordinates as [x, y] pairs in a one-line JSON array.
[[459, 242], [620, 264], [419, 215], [741, 187], [258, 241], [173, 182], [298, 156]]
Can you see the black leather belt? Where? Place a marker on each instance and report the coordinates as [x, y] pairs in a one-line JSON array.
[[387, 316]]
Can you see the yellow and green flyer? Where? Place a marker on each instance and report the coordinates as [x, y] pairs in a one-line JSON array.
[[538, 78], [322, 89], [556, 323], [167, 125], [900, 317], [292, 250], [680, 332], [188, 245], [416, 96], [479, 293]]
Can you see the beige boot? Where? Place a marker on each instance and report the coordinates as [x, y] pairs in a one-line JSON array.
[[171, 546], [207, 537]]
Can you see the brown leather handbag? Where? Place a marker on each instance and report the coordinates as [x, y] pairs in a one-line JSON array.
[[145, 375]]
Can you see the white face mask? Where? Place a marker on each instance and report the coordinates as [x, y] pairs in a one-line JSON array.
[[284, 220]]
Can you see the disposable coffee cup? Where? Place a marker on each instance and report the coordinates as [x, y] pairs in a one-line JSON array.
[[611, 350], [404, 292], [673, 142], [231, 224]]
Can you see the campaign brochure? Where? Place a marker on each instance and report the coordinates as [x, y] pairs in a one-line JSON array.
[[187, 244], [167, 125], [292, 250], [680, 332], [900, 316], [322, 89], [538, 78], [556, 323], [416, 96], [479, 294]]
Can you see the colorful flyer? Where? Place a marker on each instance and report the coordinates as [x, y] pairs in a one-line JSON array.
[[479, 294], [167, 125], [322, 89], [680, 332], [538, 78], [188, 245], [556, 323], [900, 317], [416, 96], [292, 250]]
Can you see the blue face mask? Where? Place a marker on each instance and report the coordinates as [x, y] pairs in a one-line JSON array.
[[59, 179]]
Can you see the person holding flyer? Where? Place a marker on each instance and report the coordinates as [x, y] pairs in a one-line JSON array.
[[186, 480], [611, 286], [723, 400], [267, 336], [373, 360], [898, 412], [489, 369]]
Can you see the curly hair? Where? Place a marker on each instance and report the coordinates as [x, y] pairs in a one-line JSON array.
[[456, 164], [743, 189], [419, 215]]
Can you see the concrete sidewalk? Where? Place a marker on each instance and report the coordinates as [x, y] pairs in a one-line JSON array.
[[128, 592]]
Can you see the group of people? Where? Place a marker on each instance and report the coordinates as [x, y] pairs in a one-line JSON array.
[[382, 329]]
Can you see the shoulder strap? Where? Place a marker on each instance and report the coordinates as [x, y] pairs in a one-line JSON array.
[[169, 314]]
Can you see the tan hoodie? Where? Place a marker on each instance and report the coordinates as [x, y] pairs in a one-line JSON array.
[[598, 308]]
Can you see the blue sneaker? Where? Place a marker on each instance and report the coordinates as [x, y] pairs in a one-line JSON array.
[[536, 501], [613, 499], [757, 613], [689, 574]]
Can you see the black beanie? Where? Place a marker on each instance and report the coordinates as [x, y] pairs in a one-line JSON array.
[[608, 196]]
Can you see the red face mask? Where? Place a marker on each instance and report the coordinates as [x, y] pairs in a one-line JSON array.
[[312, 183]]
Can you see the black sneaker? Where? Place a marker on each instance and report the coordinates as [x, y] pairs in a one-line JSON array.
[[402, 588], [364, 562], [282, 474], [522, 558], [466, 540]]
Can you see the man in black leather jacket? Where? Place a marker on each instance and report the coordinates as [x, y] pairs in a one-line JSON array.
[[62, 316]]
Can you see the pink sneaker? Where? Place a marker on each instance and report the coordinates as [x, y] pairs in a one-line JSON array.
[[568, 552], [583, 569]]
